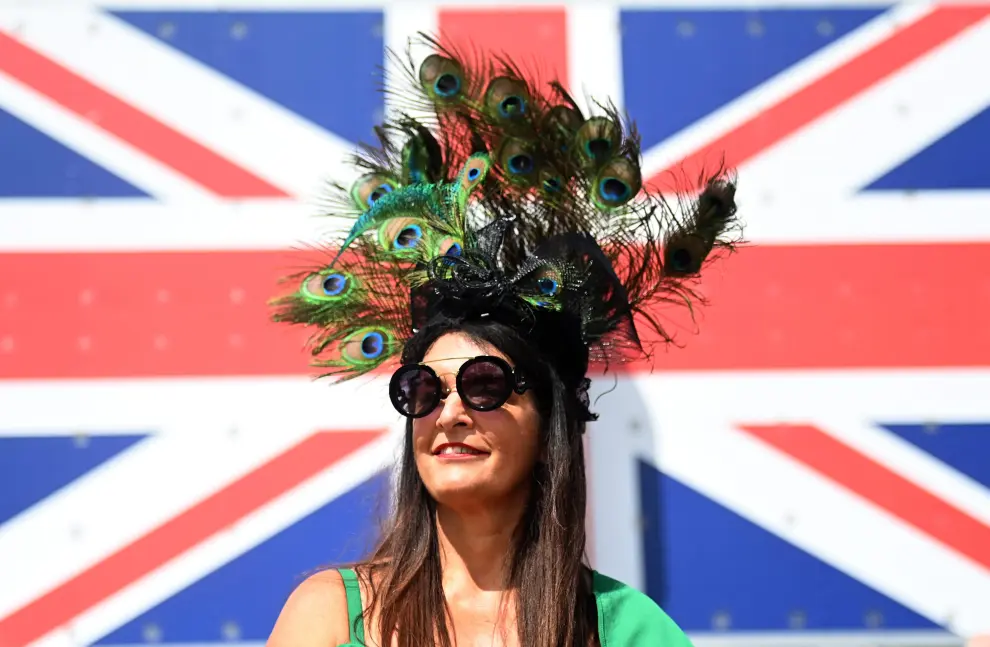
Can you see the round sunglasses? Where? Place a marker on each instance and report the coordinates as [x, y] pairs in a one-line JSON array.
[[484, 383]]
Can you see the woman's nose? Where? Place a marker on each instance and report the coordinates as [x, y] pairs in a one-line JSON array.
[[453, 413]]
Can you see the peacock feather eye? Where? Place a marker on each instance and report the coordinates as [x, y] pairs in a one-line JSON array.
[[613, 190], [681, 260], [618, 181], [401, 233], [548, 286], [449, 246], [474, 172], [442, 78], [507, 98], [597, 140], [368, 189], [517, 160], [543, 287], [334, 284], [327, 287], [684, 254], [407, 237], [521, 164], [372, 345], [366, 346]]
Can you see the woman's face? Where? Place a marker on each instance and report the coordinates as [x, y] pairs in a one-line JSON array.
[[504, 444]]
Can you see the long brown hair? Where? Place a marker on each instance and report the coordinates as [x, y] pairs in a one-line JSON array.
[[555, 606]]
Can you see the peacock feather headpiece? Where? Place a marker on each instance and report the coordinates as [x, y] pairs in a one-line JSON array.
[[490, 194]]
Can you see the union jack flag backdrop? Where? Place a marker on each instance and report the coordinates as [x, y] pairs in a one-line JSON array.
[[169, 471]]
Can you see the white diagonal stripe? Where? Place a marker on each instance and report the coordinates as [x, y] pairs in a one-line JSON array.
[[794, 78], [116, 156], [225, 116], [878, 129]]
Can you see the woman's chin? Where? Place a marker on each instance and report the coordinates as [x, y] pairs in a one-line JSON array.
[[457, 492], [450, 488]]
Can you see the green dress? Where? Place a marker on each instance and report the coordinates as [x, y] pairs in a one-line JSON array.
[[626, 617]]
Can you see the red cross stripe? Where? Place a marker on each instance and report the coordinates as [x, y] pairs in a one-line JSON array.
[[206, 313]]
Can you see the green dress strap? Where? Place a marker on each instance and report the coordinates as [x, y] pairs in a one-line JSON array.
[[355, 610]]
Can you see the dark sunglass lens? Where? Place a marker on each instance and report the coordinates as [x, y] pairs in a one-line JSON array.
[[485, 385], [416, 391]]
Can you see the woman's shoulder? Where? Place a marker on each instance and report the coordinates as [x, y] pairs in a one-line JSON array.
[[627, 616], [314, 615]]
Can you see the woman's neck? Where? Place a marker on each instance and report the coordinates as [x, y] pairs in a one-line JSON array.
[[476, 545]]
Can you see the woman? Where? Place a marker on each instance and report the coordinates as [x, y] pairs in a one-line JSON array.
[[494, 325]]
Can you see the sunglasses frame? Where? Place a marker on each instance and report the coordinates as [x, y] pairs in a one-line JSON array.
[[514, 378]]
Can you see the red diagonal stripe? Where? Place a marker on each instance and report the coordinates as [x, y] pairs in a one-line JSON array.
[[178, 535], [897, 495], [823, 95], [772, 307], [165, 144]]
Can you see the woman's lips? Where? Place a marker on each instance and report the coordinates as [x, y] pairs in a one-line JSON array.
[[458, 452]]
